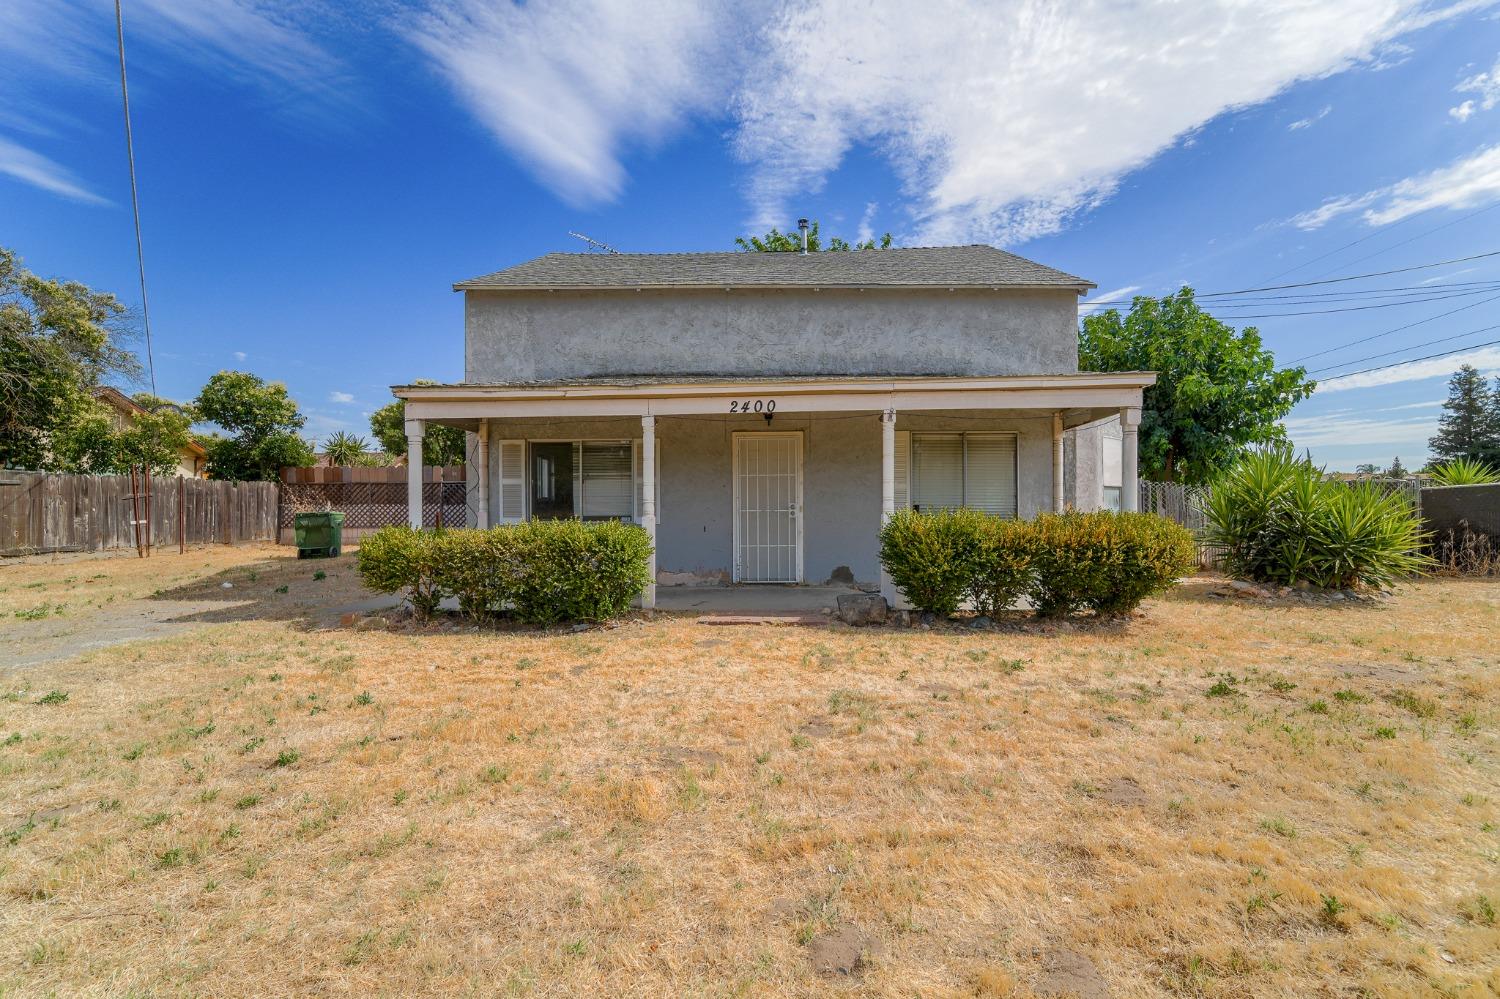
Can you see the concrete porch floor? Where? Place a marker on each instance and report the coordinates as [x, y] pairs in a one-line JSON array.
[[769, 599]]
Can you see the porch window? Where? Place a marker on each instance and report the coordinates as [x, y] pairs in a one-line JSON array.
[[592, 480], [975, 470]]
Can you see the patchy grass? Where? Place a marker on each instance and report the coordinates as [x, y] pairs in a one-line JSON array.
[[1223, 799]]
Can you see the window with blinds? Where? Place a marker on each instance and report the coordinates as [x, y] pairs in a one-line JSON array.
[[970, 470], [607, 478]]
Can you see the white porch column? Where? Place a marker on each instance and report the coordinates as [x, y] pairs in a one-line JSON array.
[[887, 465], [887, 492], [1130, 487], [1057, 461], [484, 474], [414, 431], [648, 501]]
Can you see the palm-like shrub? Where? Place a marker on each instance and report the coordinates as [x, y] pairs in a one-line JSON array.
[[345, 448], [1464, 472], [1278, 520]]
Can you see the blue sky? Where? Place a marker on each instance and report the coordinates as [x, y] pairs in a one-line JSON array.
[[313, 180]]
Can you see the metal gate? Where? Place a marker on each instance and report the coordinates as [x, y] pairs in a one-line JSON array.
[[768, 507]]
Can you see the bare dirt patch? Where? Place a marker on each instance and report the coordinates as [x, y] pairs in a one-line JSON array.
[[1069, 974], [840, 951]]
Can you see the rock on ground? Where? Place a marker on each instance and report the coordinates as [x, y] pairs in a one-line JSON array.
[[862, 608]]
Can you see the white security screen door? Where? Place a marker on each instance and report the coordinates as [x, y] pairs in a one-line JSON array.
[[768, 508]]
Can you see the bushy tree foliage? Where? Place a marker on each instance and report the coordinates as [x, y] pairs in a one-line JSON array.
[[1217, 392], [1470, 425], [94, 442], [777, 241], [58, 341], [262, 420]]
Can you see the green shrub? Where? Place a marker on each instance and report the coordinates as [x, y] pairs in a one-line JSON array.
[[568, 570], [1280, 521], [403, 560], [547, 571], [1002, 571], [1464, 472], [1106, 562], [477, 568], [931, 556]]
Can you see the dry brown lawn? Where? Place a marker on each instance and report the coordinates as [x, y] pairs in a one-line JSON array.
[[1222, 799]]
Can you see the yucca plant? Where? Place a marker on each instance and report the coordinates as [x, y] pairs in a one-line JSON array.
[[1280, 521], [1464, 472], [345, 448]]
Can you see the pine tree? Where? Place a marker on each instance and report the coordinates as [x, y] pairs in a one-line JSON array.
[[1470, 425]]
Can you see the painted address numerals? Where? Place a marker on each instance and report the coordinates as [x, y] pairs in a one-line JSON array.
[[752, 406]]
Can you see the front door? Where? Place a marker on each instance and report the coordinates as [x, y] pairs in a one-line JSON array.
[[768, 507]]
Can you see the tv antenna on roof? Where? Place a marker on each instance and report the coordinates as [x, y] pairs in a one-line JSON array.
[[593, 243]]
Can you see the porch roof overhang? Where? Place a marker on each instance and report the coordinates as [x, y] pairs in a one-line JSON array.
[[1082, 397]]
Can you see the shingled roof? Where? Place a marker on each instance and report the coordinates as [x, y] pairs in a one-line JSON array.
[[975, 266]]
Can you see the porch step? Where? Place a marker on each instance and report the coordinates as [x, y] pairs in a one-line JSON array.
[[787, 617]]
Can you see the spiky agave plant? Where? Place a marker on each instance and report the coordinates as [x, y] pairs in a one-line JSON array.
[[1279, 520], [345, 448], [1464, 472]]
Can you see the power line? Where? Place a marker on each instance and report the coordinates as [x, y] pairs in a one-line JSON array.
[[1354, 295], [135, 200], [1349, 308], [1420, 235], [1398, 329], [1399, 350], [1354, 277], [1414, 360], [1356, 242]]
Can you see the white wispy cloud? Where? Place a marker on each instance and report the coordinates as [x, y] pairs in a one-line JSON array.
[[866, 230], [31, 167], [240, 355], [567, 87], [1487, 359], [1002, 120], [1486, 85], [1107, 297], [1468, 182], [1322, 431], [343, 398], [1309, 121]]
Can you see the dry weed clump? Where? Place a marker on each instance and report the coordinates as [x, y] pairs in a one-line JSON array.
[[255, 807]]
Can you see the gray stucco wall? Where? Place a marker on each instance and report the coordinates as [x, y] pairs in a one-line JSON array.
[[521, 336], [841, 480]]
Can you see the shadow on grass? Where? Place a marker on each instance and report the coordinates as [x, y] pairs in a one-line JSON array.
[[310, 593]]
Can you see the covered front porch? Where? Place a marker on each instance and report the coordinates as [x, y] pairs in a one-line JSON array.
[[769, 480]]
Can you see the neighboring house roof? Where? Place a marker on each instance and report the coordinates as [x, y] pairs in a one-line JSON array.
[[976, 266], [123, 403]]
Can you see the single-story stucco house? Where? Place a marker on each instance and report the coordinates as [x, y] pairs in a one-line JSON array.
[[192, 460], [759, 414]]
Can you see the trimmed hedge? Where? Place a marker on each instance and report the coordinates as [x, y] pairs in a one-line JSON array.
[[1104, 562], [545, 571]]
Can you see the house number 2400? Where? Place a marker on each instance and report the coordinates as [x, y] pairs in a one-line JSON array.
[[753, 406]]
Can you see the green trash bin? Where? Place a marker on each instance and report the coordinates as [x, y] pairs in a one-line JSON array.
[[319, 533]]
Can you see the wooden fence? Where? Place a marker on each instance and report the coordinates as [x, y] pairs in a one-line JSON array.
[[42, 512], [371, 498]]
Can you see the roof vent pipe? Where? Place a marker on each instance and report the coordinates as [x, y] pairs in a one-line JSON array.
[[802, 227]]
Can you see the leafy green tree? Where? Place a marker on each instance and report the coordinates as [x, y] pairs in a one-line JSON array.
[[58, 341], [777, 241], [1397, 470], [93, 443], [263, 421], [345, 449], [1470, 425], [1217, 392], [440, 445]]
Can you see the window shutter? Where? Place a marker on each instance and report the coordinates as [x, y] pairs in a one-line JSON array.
[[607, 480], [903, 469], [990, 473], [937, 471], [510, 465]]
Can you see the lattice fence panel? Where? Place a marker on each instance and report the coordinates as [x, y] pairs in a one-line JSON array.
[[368, 505]]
